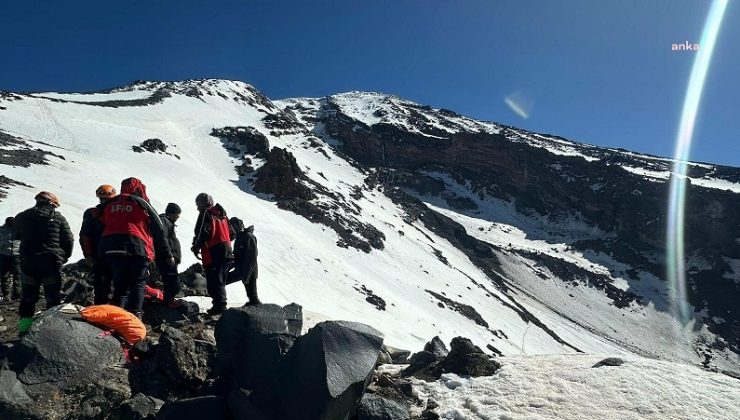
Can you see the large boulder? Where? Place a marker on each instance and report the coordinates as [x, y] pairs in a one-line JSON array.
[[65, 350], [327, 370], [186, 361], [374, 407], [252, 341], [437, 348], [67, 367]]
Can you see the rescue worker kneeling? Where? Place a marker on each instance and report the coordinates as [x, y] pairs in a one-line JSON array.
[[132, 235]]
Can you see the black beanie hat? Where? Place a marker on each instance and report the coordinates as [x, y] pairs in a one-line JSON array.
[[173, 208]]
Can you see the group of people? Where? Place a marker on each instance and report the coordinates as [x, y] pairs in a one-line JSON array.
[[122, 237]]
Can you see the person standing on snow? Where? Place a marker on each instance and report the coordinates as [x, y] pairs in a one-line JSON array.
[[46, 244], [245, 260], [132, 231], [10, 263], [90, 233], [169, 274], [213, 242]]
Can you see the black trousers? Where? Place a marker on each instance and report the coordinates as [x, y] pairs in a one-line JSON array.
[[250, 282], [102, 281], [170, 279], [44, 270], [215, 278], [129, 280], [10, 276]]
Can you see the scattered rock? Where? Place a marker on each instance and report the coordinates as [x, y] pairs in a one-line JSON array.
[[437, 348], [398, 356], [373, 407], [137, 408], [467, 359], [609, 361]]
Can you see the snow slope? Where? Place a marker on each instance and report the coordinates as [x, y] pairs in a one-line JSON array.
[[568, 387], [300, 260]]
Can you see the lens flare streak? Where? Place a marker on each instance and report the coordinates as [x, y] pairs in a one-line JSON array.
[[675, 245]]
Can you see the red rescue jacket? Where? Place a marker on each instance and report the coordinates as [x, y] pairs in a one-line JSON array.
[[212, 236], [132, 228]]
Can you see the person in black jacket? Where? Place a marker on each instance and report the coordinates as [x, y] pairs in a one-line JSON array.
[[169, 275], [245, 260], [90, 233], [10, 263], [46, 244]]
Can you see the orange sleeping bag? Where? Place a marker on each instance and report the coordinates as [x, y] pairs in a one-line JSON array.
[[118, 319]]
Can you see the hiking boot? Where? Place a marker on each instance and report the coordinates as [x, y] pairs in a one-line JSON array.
[[216, 310], [253, 302]]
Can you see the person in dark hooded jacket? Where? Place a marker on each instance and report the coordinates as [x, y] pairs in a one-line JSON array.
[[90, 233], [132, 236], [245, 259], [213, 242], [46, 244], [169, 274], [10, 262]]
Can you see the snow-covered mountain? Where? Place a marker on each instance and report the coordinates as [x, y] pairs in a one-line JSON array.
[[416, 220]]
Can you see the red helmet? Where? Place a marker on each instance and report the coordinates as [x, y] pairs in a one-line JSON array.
[[47, 197], [106, 192]]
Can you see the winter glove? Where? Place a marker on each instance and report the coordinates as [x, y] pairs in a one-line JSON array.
[[196, 250]]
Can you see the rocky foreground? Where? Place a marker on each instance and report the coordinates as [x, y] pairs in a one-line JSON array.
[[249, 363]]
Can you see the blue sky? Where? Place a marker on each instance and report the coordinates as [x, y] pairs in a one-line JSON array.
[[593, 71]]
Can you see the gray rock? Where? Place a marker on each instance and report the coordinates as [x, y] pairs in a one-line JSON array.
[[252, 341], [139, 407], [328, 369], [467, 359], [374, 407], [437, 348], [11, 390], [398, 356], [609, 361], [64, 350], [187, 362]]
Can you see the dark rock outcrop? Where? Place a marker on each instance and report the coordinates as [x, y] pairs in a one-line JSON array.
[[328, 369], [245, 140], [464, 358], [186, 361], [467, 359], [252, 342], [282, 177]]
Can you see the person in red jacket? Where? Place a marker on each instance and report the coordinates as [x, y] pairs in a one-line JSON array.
[[132, 235], [90, 232], [212, 240]]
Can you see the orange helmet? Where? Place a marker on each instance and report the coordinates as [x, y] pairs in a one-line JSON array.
[[106, 192], [45, 196]]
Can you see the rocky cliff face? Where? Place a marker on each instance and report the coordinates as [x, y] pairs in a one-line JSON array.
[[417, 148]]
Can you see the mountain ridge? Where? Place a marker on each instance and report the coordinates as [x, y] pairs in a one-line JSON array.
[[519, 226]]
